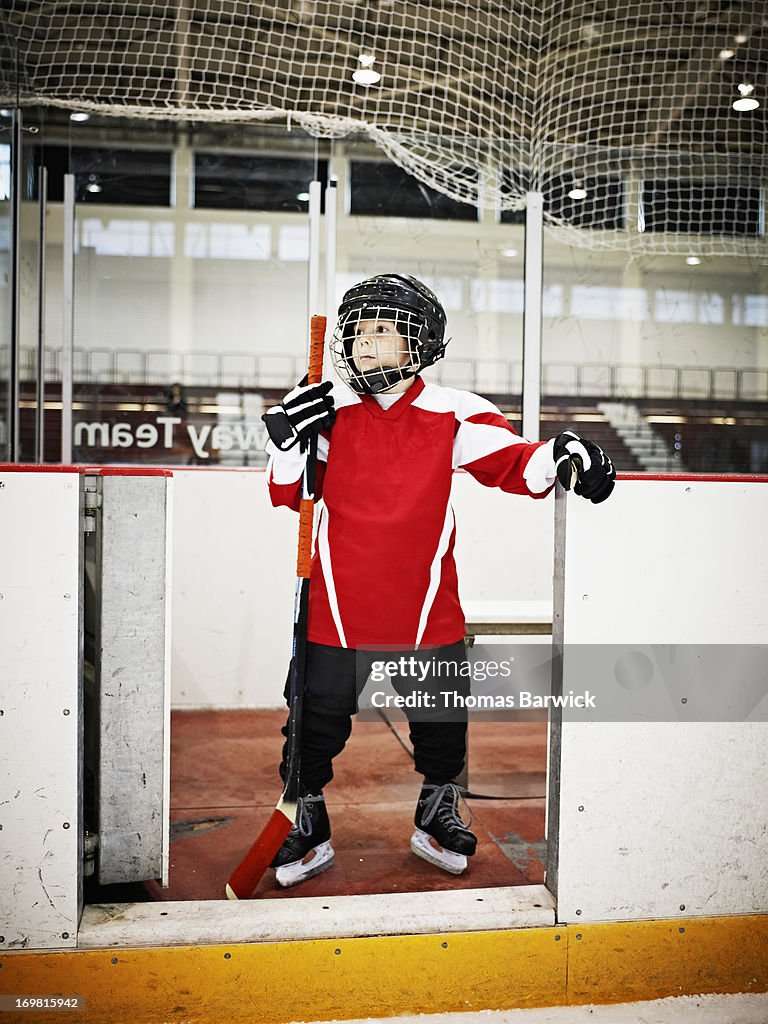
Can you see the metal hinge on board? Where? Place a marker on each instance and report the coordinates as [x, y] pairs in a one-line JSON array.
[[90, 849], [91, 506]]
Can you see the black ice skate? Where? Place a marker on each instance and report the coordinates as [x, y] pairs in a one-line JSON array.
[[306, 850], [441, 837]]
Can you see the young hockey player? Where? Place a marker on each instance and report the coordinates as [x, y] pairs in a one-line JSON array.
[[383, 572]]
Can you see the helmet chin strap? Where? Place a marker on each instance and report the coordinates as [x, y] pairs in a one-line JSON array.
[[374, 382]]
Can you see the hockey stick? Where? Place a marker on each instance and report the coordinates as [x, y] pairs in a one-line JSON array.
[[247, 874]]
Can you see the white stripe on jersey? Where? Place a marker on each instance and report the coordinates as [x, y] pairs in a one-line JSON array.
[[462, 404], [473, 440], [323, 444], [435, 572], [325, 561], [476, 440]]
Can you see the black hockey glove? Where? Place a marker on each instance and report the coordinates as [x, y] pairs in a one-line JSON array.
[[595, 475], [305, 411]]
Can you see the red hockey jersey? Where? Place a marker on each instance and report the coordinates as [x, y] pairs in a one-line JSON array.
[[383, 571]]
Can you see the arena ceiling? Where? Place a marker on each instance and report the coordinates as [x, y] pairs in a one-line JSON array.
[[649, 74]]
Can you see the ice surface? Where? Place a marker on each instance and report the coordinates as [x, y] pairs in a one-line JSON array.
[[734, 1009]]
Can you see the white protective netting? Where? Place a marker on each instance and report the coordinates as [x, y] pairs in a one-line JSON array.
[[629, 103]]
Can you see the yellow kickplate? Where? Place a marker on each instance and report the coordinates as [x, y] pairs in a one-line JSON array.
[[621, 962], [272, 983], [277, 982]]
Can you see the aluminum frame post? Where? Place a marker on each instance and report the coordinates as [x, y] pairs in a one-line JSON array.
[[14, 384], [532, 316], [331, 198], [67, 335], [42, 198], [314, 297]]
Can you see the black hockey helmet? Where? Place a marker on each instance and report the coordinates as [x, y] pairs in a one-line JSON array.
[[419, 318]]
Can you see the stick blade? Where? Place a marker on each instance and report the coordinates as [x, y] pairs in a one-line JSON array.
[[249, 871]]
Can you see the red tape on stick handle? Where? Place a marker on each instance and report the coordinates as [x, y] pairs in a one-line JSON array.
[[304, 559], [316, 346]]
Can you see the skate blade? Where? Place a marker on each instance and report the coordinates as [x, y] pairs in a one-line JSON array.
[[453, 863], [300, 870]]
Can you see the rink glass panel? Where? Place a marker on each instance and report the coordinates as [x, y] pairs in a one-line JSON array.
[[5, 296], [190, 303]]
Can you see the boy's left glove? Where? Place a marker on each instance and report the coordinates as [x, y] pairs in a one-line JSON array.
[[305, 411], [595, 474]]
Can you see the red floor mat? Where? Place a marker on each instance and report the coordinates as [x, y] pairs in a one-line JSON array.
[[224, 784]]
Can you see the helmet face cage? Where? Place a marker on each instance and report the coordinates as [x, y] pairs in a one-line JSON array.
[[374, 347]]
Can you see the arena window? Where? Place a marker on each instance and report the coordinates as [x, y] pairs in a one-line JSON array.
[[701, 207], [381, 189], [117, 177], [249, 182], [590, 202]]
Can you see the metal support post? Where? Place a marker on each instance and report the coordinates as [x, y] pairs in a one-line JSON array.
[[14, 426], [314, 251], [532, 317], [68, 325], [331, 195], [42, 198]]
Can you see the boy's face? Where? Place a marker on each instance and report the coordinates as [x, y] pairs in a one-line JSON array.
[[378, 343]]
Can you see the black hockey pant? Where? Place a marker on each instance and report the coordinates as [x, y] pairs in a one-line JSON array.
[[336, 677]]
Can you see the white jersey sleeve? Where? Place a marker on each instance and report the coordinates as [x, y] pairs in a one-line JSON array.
[[486, 446]]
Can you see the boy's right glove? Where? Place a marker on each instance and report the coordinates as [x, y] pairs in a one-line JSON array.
[[595, 474], [305, 411]]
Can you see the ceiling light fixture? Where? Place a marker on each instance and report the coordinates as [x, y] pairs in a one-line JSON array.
[[747, 100], [693, 261], [303, 197], [577, 191], [365, 75], [741, 38], [79, 115], [509, 253], [726, 54], [93, 184]]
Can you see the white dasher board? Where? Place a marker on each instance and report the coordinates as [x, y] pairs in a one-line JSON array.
[[661, 812], [40, 722]]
